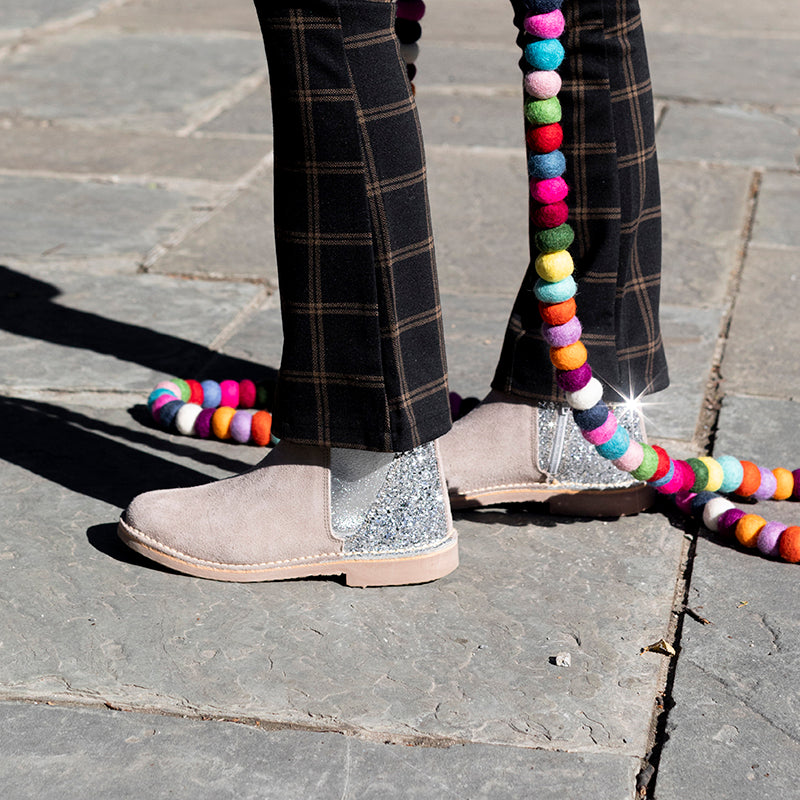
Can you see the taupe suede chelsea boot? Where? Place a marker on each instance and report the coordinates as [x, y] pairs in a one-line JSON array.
[[509, 451], [379, 519]]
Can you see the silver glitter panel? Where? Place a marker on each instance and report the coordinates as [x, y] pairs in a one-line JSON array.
[[580, 464], [408, 514], [356, 478]]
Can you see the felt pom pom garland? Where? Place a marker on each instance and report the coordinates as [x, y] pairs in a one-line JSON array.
[[693, 483], [226, 410], [408, 30]]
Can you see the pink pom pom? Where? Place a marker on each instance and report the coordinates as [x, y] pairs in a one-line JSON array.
[[549, 191], [240, 426], [543, 84], [631, 459], [602, 434], [170, 387], [161, 401], [546, 26], [684, 499], [230, 393], [247, 393]]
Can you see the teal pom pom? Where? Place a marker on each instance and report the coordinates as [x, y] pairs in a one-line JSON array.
[[733, 473], [616, 446], [546, 54], [557, 292]]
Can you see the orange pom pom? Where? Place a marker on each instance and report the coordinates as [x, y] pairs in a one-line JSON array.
[[261, 428], [785, 483], [570, 357], [789, 544], [751, 480], [221, 422], [748, 528]]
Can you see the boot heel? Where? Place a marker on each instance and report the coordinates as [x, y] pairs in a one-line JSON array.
[[403, 571]]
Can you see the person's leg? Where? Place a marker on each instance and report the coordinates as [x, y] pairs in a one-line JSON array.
[[363, 359], [355, 485], [608, 127]]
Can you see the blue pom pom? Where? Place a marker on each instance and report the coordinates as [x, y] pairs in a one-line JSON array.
[[543, 6], [591, 418], [616, 446], [546, 165], [545, 54], [212, 394], [168, 412], [556, 292], [698, 503]]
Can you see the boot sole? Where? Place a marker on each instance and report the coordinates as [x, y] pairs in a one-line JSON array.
[[421, 568], [566, 503]]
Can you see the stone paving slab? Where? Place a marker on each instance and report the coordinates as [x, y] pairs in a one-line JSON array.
[[467, 658], [690, 340], [487, 23], [57, 149], [777, 18], [753, 350], [55, 218], [238, 240], [209, 15], [69, 330], [480, 219], [251, 115], [776, 215], [727, 135], [161, 756], [463, 65], [734, 727], [692, 66], [705, 210], [468, 120], [15, 17], [141, 81]]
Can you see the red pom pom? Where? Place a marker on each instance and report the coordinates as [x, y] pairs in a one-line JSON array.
[[551, 215], [558, 313], [545, 138], [196, 390], [663, 463]]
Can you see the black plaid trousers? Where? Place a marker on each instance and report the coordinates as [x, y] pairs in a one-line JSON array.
[[363, 362], [609, 144]]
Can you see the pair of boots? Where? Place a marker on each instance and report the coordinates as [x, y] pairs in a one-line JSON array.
[[380, 519]]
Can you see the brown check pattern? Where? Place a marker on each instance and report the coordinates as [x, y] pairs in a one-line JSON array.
[[609, 143], [363, 361]]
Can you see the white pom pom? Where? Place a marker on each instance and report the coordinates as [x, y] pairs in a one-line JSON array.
[[186, 417], [713, 510], [588, 397]]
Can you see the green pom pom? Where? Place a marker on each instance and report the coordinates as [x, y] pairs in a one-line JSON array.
[[700, 474], [649, 464], [186, 391], [554, 239], [543, 112]]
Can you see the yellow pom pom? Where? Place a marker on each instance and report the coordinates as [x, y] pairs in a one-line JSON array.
[[748, 528], [221, 422], [715, 473], [554, 267]]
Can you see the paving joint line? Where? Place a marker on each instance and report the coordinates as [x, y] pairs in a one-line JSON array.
[[180, 234], [708, 420]]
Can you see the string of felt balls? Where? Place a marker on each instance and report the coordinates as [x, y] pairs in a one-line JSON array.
[[226, 410], [693, 483], [408, 30]]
